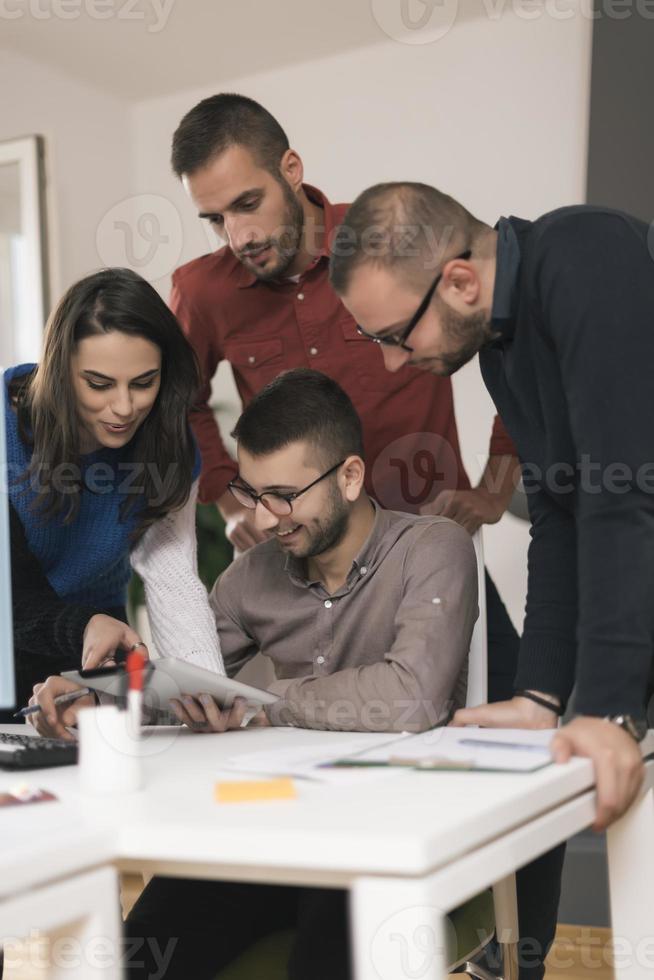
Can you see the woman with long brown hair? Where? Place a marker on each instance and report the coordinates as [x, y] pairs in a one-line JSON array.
[[102, 478]]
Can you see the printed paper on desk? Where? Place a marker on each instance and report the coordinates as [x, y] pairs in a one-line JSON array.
[[311, 761], [480, 749]]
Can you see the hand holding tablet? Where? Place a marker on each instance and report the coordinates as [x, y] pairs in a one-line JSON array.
[[171, 680]]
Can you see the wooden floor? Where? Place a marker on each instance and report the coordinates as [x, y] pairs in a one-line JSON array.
[[579, 952]]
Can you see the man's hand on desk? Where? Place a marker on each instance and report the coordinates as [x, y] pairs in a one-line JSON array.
[[240, 528], [203, 715], [53, 719], [615, 755], [616, 758], [470, 508], [516, 713]]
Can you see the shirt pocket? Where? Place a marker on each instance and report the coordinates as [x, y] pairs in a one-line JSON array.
[[365, 359], [255, 362]]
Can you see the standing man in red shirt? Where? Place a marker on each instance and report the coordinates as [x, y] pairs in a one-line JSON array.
[[263, 302]]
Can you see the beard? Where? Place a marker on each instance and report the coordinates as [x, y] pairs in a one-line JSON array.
[[285, 245], [464, 336], [328, 531]]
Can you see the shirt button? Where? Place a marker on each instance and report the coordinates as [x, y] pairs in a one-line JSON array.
[[300, 295], [313, 351], [328, 603], [363, 570], [251, 359], [320, 660]]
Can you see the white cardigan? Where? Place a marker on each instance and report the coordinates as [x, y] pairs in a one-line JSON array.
[[182, 622]]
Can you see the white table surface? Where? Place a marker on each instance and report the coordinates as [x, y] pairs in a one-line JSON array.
[[423, 841], [408, 823]]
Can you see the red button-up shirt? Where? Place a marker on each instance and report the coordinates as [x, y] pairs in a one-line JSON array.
[[262, 328]]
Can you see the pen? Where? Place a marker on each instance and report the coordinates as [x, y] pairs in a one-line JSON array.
[[483, 744], [60, 699]]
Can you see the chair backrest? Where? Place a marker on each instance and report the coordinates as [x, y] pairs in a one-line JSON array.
[[477, 692]]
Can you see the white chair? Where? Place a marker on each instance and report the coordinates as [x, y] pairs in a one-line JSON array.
[[504, 892], [477, 692]]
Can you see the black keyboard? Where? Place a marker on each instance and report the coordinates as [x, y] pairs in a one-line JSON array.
[[33, 752]]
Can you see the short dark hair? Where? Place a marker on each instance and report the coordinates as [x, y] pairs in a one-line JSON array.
[[301, 405], [225, 120], [407, 226]]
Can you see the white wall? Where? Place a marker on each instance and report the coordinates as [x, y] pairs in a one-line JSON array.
[[87, 156], [495, 112]]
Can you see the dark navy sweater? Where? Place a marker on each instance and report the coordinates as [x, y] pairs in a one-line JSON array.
[[571, 376]]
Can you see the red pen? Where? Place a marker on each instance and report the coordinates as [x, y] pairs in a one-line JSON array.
[[135, 672]]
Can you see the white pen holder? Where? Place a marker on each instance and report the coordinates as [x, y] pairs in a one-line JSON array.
[[109, 752]]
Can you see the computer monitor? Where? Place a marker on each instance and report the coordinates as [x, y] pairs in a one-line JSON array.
[[7, 679]]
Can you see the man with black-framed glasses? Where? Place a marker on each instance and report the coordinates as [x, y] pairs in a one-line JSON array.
[[367, 616], [560, 311], [278, 503], [400, 338]]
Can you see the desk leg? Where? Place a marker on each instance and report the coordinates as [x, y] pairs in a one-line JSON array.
[[631, 874], [82, 920], [397, 934]]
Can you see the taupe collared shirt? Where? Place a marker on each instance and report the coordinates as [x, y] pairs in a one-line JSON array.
[[386, 652]]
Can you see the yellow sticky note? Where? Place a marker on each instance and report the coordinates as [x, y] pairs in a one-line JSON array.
[[254, 792]]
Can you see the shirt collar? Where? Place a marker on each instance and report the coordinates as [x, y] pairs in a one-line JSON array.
[[247, 278], [507, 267], [367, 557]]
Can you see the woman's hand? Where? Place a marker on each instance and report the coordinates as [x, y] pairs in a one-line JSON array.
[[103, 636], [53, 719]]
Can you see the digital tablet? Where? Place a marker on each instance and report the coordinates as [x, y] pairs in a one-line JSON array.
[[168, 678]]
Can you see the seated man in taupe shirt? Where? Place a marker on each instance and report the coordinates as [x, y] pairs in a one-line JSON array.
[[367, 617], [366, 614]]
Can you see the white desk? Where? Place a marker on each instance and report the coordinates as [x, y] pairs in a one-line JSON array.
[[410, 847]]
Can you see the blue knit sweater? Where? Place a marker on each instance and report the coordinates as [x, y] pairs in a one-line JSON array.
[[86, 561]]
